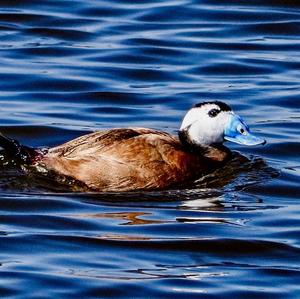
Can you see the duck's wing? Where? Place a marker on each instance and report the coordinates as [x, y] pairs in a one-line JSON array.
[[102, 141], [120, 159]]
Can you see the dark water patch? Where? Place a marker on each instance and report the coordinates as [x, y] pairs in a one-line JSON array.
[[235, 69], [38, 136], [46, 51], [116, 110], [23, 18], [63, 34], [284, 189], [109, 11], [113, 97], [220, 45], [284, 29], [284, 148], [246, 249], [71, 23], [269, 4], [290, 101], [43, 83], [134, 58], [195, 12], [147, 74]]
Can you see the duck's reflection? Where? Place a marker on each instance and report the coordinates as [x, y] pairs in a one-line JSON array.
[[130, 218]]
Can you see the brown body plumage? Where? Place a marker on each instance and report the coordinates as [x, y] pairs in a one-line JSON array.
[[130, 159]]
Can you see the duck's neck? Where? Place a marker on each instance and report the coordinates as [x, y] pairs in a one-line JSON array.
[[217, 152]]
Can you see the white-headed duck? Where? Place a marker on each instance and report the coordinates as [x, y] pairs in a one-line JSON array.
[[126, 159]]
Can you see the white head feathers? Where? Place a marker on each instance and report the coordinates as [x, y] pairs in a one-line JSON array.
[[204, 124]]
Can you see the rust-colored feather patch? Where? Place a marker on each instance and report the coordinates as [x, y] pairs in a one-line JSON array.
[[129, 159]]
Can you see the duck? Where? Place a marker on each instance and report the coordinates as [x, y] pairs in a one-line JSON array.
[[129, 159]]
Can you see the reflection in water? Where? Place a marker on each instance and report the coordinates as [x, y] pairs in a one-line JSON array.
[[209, 203], [123, 237], [192, 272], [131, 218], [208, 220]]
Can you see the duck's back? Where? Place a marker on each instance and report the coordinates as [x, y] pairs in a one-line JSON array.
[[127, 159]]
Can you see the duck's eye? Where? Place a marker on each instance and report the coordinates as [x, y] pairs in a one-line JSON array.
[[242, 130], [213, 112]]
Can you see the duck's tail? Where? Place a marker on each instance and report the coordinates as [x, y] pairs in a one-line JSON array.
[[20, 154]]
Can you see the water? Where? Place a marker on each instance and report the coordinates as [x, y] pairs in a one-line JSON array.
[[71, 67]]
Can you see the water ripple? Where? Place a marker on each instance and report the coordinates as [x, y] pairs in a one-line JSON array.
[[68, 68]]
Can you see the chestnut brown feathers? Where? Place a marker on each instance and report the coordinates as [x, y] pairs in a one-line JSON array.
[[130, 159]]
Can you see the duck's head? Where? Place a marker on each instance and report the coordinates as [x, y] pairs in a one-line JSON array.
[[210, 123]]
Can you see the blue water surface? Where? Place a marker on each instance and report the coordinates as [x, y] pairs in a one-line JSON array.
[[70, 67]]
